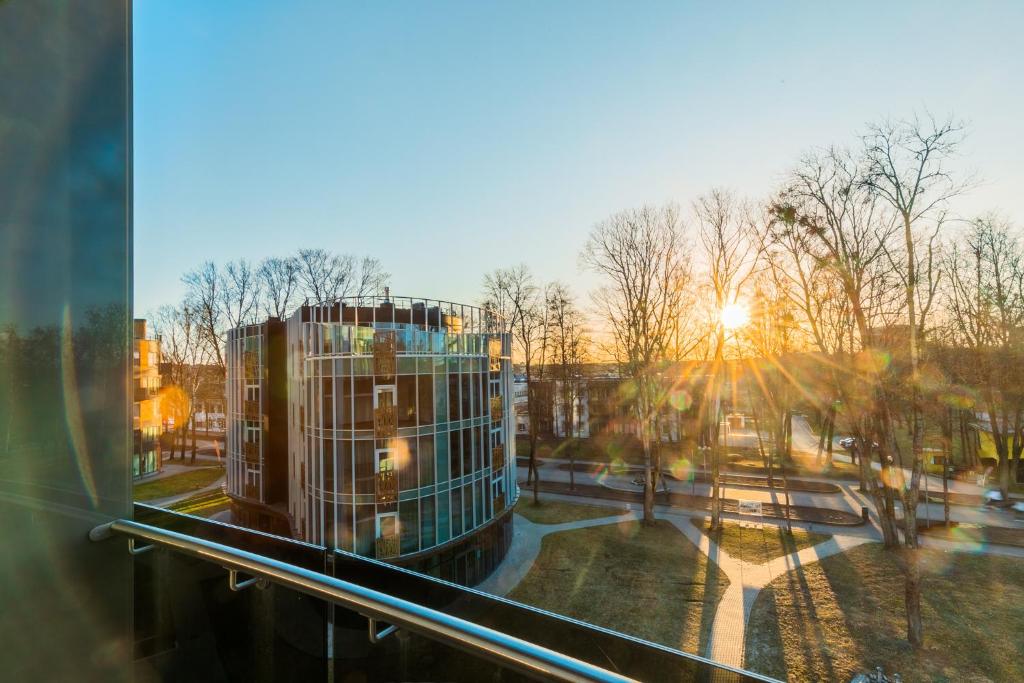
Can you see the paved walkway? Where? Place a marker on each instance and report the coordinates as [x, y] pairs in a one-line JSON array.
[[746, 579], [526, 542]]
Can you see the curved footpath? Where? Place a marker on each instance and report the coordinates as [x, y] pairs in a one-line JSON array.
[[746, 580]]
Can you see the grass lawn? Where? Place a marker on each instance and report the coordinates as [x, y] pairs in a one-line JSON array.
[[801, 466], [557, 511], [611, 448], [648, 582], [759, 546], [845, 614], [178, 483]]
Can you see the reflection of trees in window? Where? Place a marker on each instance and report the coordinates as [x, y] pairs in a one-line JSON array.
[[425, 393], [426, 460], [343, 406], [343, 450], [327, 385], [407, 464], [453, 397], [366, 528], [406, 401], [364, 466], [409, 525], [363, 408], [467, 393], [441, 397]]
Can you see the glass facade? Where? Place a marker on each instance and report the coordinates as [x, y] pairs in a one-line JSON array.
[[65, 339], [393, 425]]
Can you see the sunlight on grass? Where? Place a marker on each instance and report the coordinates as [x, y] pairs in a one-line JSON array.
[[845, 614], [557, 512], [759, 545], [176, 484], [644, 581]]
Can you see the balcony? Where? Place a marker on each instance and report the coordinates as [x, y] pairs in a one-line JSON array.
[[251, 409], [386, 546], [496, 409], [251, 451], [385, 425], [386, 487], [385, 349], [213, 600], [497, 457]]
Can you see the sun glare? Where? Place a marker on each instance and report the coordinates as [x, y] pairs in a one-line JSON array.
[[734, 315]]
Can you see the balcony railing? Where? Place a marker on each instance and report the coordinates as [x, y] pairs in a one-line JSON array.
[[449, 632], [387, 546], [251, 451], [386, 487], [384, 353], [496, 409], [497, 457], [385, 425]]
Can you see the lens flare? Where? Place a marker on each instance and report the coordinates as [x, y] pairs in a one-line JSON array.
[[734, 315]]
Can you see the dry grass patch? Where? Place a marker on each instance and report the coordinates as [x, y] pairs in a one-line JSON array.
[[845, 614], [646, 581], [177, 483], [759, 545], [558, 512]]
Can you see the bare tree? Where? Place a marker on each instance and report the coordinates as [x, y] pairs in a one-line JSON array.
[[326, 276], [370, 278], [203, 298], [513, 293], [569, 350], [826, 214], [731, 260], [278, 283], [984, 301], [184, 348], [239, 294], [906, 167], [642, 256]]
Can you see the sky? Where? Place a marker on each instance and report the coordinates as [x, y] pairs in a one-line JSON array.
[[449, 139]]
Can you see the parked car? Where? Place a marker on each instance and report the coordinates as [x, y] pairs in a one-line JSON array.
[[849, 442]]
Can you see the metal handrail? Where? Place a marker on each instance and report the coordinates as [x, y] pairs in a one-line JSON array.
[[506, 650]]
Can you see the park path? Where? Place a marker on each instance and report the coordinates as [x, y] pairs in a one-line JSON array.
[[746, 579], [527, 537]]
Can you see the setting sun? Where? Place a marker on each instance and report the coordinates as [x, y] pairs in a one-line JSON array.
[[735, 315]]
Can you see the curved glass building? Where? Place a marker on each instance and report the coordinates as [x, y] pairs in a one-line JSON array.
[[376, 425]]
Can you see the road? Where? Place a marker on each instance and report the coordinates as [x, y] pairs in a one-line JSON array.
[[848, 499]]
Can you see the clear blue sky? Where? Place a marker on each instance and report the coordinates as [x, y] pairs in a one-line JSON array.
[[450, 139]]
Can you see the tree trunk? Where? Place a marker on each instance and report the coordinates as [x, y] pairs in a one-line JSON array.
[[831, 436], [789, 455], [912, 572], [194, 448]]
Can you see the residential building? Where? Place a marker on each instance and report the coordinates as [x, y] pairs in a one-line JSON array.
[[147, 421], [377, 426]]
